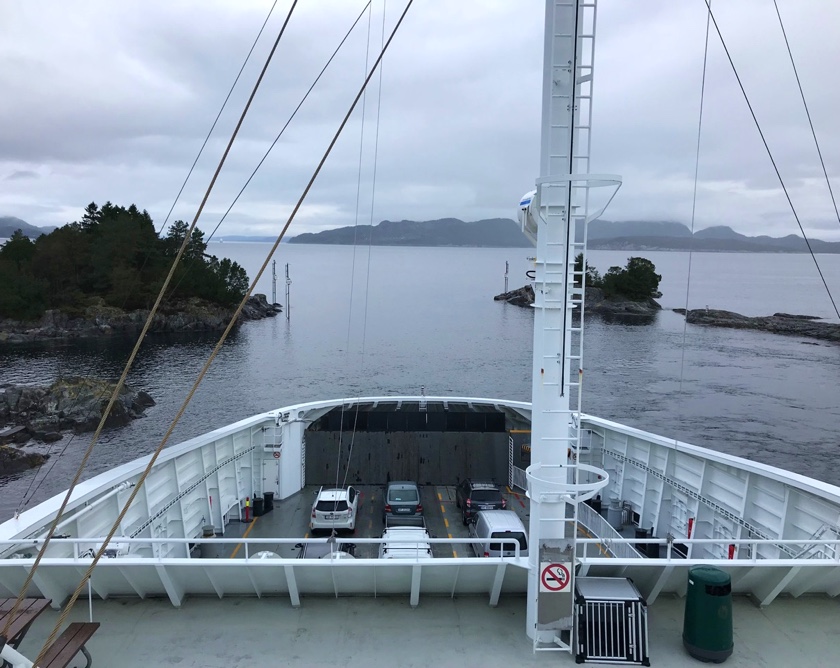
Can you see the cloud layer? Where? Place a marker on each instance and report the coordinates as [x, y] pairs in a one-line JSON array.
[[112, 101]]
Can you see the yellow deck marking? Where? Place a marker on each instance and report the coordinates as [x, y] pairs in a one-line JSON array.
[[446, 522], [507, 487], [440, 496], [442, 509], [244, 535]]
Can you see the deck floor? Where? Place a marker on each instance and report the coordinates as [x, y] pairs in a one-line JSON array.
[[290, 518], [462, 632]]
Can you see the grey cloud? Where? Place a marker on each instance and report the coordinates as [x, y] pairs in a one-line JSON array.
[[20, 174], [113, 100]]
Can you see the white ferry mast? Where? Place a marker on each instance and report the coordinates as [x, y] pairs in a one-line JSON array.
[[555, 217]]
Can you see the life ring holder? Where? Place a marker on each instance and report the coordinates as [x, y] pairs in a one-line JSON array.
[[549, 483]]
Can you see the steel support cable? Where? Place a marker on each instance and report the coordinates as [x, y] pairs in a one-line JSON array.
[[369, 245], [218, 116], [807, 113], [132, 357], [141, 480], [353, 264], [207, 138], [282, 131], [24, 501], [694, 194], [772, 159]]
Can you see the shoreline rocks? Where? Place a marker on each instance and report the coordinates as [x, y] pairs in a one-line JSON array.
[[778, 323], [596, 302], [75, 404], [97, 320], [69, 404]]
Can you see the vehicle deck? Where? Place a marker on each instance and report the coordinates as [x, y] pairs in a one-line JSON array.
[[441, 631], [290, 519]]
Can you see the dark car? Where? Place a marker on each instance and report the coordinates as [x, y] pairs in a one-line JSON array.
[[474, 495], [402, 503]]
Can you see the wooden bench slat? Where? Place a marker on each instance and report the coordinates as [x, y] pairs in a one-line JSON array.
[[68, 644]]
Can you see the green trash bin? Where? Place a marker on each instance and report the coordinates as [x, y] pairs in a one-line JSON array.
[[707, 628]]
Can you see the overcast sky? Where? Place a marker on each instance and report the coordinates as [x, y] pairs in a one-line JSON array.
[[103, 100]]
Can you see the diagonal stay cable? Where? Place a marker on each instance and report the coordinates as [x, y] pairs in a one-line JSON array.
[[216, 350], [283, 129], [137, 345], [694, 197], [366, 292], [218, 116], [772, 159], [353, 262], [807, 111]]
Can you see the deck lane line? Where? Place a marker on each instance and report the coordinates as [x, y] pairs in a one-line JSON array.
[[446, 522], [244, 535]]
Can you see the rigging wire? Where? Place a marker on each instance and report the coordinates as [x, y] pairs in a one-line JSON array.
[[27, 497], [353, 262], [772, 159], [153, 458], [807, 112], [694, 195], [282, 131], [213, 127], [153, 311], [370, 237]]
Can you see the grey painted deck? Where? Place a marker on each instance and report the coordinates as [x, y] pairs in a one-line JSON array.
[[240, 633]]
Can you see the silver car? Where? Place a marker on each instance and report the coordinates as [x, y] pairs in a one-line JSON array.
[[402, 503]]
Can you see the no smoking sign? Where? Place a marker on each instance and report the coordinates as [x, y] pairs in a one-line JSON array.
[[554, 577]]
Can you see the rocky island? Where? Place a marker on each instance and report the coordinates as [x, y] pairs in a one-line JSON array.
[[101, 275], [627, 291], [595, 302], [68, 404], [778, 323]]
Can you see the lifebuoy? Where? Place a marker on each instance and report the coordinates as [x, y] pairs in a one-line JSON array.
[[276, 454]]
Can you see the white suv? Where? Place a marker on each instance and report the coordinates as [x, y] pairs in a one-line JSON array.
[[334, 509]]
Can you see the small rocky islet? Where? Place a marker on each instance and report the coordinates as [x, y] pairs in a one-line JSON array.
[[779, 323], [596, 302], [43, 413]]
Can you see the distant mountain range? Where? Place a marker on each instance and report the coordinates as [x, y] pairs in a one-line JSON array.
[[494, 232], [602, 235], [634, 235], [8, 225]]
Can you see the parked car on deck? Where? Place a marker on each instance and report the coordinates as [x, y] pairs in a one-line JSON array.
[[474, 495], [334, 509], [405, 542], [402, 503]]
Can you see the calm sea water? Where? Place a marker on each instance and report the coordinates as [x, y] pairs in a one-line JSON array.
[[397, 319]]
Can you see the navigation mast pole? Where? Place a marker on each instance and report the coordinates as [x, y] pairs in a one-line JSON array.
[[555, 216]]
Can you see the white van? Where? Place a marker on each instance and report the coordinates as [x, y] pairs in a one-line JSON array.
[[492, 525]]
